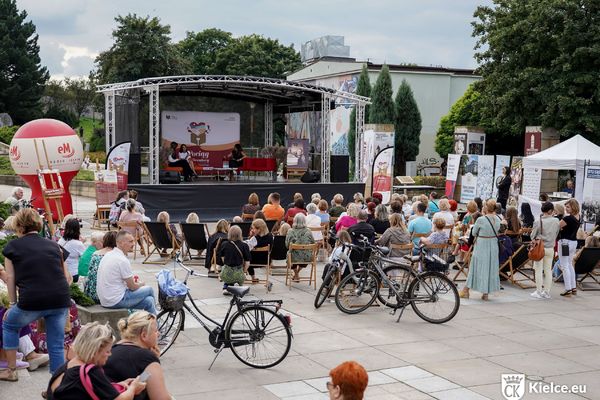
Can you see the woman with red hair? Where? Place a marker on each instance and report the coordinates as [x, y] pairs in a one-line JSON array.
[[348, 381]]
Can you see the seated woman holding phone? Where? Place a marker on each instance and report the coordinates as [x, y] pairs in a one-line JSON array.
[[136, 354]]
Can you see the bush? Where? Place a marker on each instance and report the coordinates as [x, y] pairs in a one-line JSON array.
[[85, 175], [7, 133], [79, 297], [100, 155], [435, 181], [98, 143], [64, 115], [5, 167]]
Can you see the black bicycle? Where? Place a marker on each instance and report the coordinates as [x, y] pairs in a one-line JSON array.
[[432, 296], [257, 333], [332, 276]]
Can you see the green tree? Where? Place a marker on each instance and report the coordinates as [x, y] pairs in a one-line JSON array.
[[142, 48], [201, 49], [363, 88], [407, 128], [22, 78], [81, 92], [382, 110], [539, 62], [256, 55]]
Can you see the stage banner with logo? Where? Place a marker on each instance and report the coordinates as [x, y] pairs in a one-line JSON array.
[[516, 174], [118, 160], [452, 174], [501, 162], [297, 153], [533, 140], [468, 180], [485, 177], [209, 136], [532, 180], [375, 140], [382, 173], [591, 195]]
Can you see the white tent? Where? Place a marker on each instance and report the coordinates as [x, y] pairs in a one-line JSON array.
[[570, 154]]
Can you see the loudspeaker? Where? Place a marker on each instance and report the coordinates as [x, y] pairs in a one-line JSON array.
[[311, 176], [169, 177], [339, 168], [135, 168]]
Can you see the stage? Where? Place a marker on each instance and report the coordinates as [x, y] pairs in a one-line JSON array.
[[215, 200]]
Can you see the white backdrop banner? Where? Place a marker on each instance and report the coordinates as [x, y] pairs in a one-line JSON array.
[[532, 179], [485, 177], [469, 179], [501, 162], [591, 195]]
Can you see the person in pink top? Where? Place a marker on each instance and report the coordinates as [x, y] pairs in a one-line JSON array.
[[129, 214], [346, 221]]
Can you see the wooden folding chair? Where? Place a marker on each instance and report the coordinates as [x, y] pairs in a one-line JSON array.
[[101, 217], [260, 257], [520, 269], [463, 266], [139, 234], [160, 237], [587, 265], [194, 238], [312, 278], [214, 266], [244, 226], [278, 253]]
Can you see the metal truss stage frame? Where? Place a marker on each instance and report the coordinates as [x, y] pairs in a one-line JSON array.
[[225, 200], [274, 94]]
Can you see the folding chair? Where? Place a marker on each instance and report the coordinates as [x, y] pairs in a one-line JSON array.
[[270, 224], [463, 266], [586, 265], [161, 237], [194, 238], [278, 253], [520, 269], [260, 258], [312, 278], [101, 218], [248, 217], [139, 234], [214, 266], [244, 226]]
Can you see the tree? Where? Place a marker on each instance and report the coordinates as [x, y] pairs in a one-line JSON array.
[[363, 88], [81, 92], [539, 62], [142, 49], [382, 103], [22, 78], [407, 128], [256, 55], [201, 49]]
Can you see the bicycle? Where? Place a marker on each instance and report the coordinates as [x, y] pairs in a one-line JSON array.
[[333, 276], [256, 332], [426, 292]]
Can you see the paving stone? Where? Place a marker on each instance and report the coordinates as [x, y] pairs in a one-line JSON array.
[[405, 373], [431, 384]]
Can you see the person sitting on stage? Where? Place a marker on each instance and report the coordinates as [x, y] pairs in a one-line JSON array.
[[219, 234], [273, 210], [337, 209], [259, 237], [184, 154], [252, 206], [297, 209], [236, 158], [175, 161]]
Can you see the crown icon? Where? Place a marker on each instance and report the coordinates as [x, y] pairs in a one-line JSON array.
[[513, 379]]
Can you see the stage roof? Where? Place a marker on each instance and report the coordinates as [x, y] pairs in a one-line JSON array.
[[283, 94]]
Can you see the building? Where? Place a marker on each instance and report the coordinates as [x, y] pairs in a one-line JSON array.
[[435, 89]]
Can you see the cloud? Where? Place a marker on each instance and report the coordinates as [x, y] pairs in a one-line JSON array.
[[52, 55], [79, 66]]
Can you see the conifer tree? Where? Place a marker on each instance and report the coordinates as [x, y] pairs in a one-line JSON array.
[[407, 128], [382, 101]]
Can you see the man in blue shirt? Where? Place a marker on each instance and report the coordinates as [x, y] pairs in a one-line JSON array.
[[419, 225]]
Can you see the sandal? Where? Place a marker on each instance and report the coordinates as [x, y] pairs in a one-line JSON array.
[[255, 280], [11, 375], [484, 297], [574, 292], [463, 294]]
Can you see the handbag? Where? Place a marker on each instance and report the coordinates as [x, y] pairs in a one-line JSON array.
[[536, 250], [84, 376]]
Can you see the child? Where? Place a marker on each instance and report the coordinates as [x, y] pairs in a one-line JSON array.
[[339, 253], [439, 235]]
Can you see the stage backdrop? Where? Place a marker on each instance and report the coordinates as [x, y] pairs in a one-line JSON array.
[[209, 136]]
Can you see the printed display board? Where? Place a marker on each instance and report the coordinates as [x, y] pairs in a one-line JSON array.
[[469, 165], [382, 173], [591, 195], [452, 174], [118, 160], [298, 153]]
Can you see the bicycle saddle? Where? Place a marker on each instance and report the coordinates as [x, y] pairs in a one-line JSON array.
[[384, 250], [238, 291]]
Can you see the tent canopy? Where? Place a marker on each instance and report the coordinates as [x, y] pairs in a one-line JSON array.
[[570, 154]]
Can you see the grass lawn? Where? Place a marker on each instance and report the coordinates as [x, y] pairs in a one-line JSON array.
[[88, 127], [6, 169]]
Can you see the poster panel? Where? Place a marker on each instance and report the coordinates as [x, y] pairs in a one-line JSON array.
[[373, 143], [298, 153], [516, 174], [209, 136], [485, 177], [105, 182], [118, 160], [533, 140], [469, 178], [532, 180], [339, 127], [460, 143], [591, 195], [501, 162], [452, 174], [382, 173]]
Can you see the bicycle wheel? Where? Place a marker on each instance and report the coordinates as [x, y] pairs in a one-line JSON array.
[[169, 323], [259, 337], [357, 292], [434, 297], [400, 278], [326, 287]]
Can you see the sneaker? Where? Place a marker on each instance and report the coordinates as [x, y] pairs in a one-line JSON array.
[[37, 362], [546, 295], [566, 293], [537, 295]]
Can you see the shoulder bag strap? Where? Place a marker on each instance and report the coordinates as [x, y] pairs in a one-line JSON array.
[[492, 225], [84, 369], [238, 249]]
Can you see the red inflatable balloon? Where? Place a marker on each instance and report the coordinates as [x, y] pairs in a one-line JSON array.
[[57, 144]]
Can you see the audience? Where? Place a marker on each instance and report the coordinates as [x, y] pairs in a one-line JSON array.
[[380, 221], [419, 226], [322, 211], [252, 206], [337, 209], [234, 255], [83, 267], [192, 218], [313, 222], [349, 381], [284, 228], [164, 217], [299, 234], [273, 210], [526, 215], [567, 245], [439, 234], [260, 215], [259, 237], [297, 209], [397, 233], [130, 214], [109, 242], [297, 196], [71, 242], [116, 207], [433, 206], [362, 228], [346, 221], [315, 198], [370, 210], [218, 236], [445, 214], [133, 194], [359, 200]]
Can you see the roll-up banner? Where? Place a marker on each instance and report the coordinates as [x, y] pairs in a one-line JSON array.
[[118, 160], [452, 174]]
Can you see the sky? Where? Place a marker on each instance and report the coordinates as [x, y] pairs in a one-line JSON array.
[[427, 32]]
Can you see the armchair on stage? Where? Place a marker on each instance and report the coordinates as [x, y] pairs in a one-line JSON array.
[[259, 165]]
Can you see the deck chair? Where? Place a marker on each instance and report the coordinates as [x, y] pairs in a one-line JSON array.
[[519, 269], [260, 257], [312, 264], [139, 235], [159, 237], [587, 265], [194, 237], [244, 226], [278, 253]]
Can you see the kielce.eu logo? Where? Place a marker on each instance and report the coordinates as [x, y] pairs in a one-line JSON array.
[[513, 386]]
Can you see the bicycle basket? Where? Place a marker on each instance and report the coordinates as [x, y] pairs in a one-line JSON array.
[[435, 263], [170, 303]]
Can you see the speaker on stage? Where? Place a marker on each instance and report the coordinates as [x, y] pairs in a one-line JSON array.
[[169, 177], [311, 176], [135, 168], [339, 168]]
